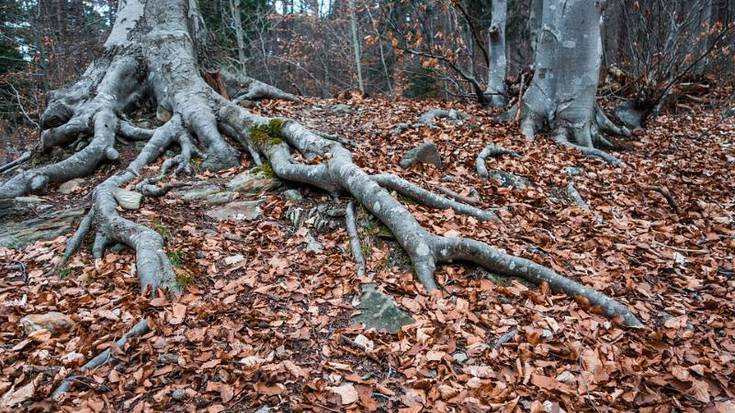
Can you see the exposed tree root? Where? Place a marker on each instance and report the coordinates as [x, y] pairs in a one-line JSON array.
[[427, 119], [351, 225], [471, 200], [575, 195], [139, 329], [561, 137], [493, 151], [241, 88], [337, 173]]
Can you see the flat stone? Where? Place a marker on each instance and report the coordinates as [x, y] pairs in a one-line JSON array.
[[425, 152], [199, 192], [127, 199], [380, 311], [312, 245], [53, 321], [510, 180], [292, 195], [341, 108], [70, 186], [253, 181], [220, 198], [22, 205], [237, 211], [46, 226]]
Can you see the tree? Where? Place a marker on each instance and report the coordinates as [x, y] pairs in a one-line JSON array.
[[498, 64], [153, 46], [562, 95]]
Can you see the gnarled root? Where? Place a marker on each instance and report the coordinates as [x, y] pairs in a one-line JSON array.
[[585, 136], [337, 173], [491, 151], [241, 88], [139, 329], [153, 267]]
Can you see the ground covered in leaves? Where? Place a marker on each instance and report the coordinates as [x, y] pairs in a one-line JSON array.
[[264, 323]]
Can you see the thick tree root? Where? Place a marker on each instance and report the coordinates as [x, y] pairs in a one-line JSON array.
[[337, 173], [491, 151], [427, 119], [153, 267], [351, 225], [561, 137], [242, 88], [139, 329], [575, 195]]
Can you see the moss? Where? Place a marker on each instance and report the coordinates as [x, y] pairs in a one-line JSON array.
[[265, 169], [267, 134], [64, 272], [176, 258], [162, 229]]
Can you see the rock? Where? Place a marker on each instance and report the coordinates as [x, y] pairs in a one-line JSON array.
[[178, 394], [342, 109], [163, 114], [292, 195], [312, 245], [43, 227], [460, 357], [238, 211], [70, 186], [425, 152], [510, 180], [127, 199], [252, 181], [198, 192], [380, 311], [573, 170], [220, 198], [53, 321], [22, 205]]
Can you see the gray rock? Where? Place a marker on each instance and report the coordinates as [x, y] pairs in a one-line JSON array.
[[178, 394], [252, 181], [127, 199], [312, 245], [22, 205], [220, 198], [510, 180], [380, 311], [71, 186], [46, 226], [292, 195], [460, 357], [238, 211], [199, 192], [425, 152], [342, 109], [573, 170]]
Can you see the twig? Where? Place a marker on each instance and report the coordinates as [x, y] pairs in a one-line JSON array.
[[459, 197], [661, 244], [12, 164], [505, 338], [669, 198], [137, 330], [354, 239]]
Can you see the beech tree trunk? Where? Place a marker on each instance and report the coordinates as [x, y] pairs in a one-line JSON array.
[[151, 54], [561, 97], [495, 93], [356, 46]]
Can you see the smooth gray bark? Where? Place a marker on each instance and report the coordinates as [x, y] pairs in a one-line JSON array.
[[562, 94], [356, 46], [495, 93]]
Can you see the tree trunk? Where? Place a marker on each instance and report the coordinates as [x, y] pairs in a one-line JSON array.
[[239, 35], [356, 46], [152, 48], [498, 65], [561, 96]]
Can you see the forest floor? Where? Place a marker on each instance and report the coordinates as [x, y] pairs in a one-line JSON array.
[[265, 324]]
